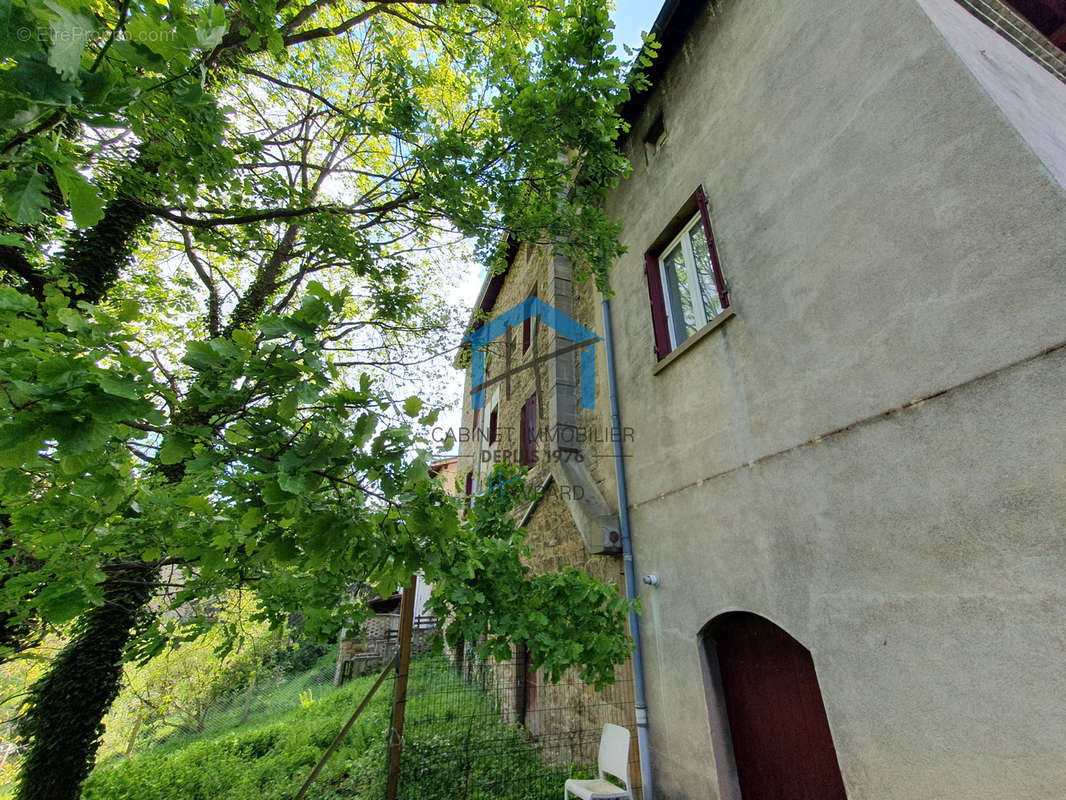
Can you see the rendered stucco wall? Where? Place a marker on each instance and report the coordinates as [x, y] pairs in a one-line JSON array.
[[888, 237], [1027, 94]]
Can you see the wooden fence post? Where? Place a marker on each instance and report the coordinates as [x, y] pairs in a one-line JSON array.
[[336, 742], [399, 701]]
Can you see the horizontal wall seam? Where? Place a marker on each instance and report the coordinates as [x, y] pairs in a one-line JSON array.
[[860, 423]]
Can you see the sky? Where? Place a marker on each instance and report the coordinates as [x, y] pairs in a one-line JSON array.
[[630, 18]]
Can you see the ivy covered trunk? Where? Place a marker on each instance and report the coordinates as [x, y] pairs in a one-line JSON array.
[[64, 719]]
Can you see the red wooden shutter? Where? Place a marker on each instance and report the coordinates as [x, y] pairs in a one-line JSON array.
[[716, 266], [527, 451], [527, 327], [658, 306]]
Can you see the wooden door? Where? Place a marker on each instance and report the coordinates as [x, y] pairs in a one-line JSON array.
[[781, 739]]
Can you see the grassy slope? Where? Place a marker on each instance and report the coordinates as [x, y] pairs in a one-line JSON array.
[[267, 758], [455, 746], [270, 706]]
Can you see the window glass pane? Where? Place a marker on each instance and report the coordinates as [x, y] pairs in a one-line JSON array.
[[709, 291], [681, 309]]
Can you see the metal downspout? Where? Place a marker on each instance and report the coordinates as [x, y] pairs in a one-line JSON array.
[[640, 700]]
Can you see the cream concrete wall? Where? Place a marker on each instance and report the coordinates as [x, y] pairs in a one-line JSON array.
[[888, 237]]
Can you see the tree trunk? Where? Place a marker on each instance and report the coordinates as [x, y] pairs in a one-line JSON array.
[[132, 742], [64, 720], [248, 700], [95, 258]]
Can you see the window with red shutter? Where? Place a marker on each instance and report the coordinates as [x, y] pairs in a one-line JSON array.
[[685, 283], [658, 306], [527, 327], [527, 447], [494, 417]]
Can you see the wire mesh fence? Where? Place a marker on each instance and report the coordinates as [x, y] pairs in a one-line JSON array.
[[495, 729], [474, 728]]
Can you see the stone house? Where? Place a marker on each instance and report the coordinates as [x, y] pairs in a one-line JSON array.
[[572, 523], [841, 358]]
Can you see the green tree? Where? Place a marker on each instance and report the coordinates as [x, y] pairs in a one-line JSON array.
[[177, 689], [213, 220]]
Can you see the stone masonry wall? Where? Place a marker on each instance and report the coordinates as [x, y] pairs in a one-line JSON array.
[[571, 709]]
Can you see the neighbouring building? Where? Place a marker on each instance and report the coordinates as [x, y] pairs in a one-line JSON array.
[[374, 642], [840, 339], [446, 470]]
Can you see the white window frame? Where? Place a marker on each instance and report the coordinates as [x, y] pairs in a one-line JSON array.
[[693, 281]]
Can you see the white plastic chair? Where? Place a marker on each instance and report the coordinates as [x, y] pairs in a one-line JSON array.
[[613, 760]]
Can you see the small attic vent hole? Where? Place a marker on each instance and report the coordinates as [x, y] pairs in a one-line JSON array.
[[654, 138]]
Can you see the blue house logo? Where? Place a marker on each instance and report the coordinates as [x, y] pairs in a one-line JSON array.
[[581, 338]]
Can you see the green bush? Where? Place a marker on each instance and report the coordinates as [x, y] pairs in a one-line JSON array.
[[259, 763], [298, 656]]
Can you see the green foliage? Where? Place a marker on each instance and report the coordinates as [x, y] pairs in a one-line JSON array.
[[485, 97], [256, 763], [298, 656], [24, 199], [490, 596], [212, 220], [296, 451], [176, 690]]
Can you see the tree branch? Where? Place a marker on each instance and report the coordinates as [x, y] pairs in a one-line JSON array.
[[335, 30], [213, 309]]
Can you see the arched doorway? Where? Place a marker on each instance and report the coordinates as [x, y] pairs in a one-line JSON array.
[[781, 743]]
